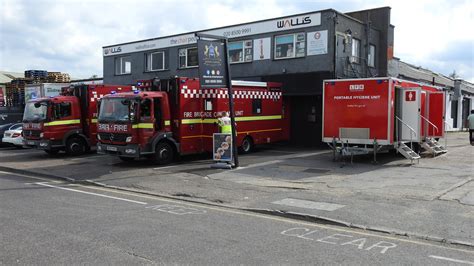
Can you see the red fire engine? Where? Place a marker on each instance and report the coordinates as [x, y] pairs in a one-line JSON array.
[[179, 117], [361, 115], [65, 122]]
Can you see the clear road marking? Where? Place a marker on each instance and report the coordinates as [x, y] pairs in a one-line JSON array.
[[176, 209], [323, 206], [268, 217], [339, 239], [452, 260], [90, 193]]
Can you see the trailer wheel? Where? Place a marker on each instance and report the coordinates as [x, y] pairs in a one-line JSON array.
[[75, 146], [164, 153], [247, 145], [126, 159], [51, 152]]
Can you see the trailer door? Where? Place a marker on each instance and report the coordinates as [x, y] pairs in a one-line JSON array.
[[408, 113], [436, 111]]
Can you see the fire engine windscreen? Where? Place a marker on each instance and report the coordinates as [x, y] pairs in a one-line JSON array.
[[36, 111], [117, 109]]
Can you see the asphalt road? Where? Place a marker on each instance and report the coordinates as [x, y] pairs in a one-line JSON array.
[[51, 222]]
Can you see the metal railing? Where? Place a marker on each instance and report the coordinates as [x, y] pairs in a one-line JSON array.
[[446, 135], [429, 122], [412, 131]]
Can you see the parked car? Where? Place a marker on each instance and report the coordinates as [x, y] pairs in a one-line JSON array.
[[4, 128], [13, 135]]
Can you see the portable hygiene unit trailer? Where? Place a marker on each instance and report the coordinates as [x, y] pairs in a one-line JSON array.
[[361, 116]]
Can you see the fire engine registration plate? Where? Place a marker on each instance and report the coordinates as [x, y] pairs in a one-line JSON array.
[[111, 148], [31, 143]]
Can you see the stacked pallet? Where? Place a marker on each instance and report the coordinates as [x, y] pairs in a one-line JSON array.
[[58, 77], [15, 91], [37, 76]]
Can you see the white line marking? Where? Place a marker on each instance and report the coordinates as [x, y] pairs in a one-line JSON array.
[[91, 193], [453, 260], [282, 158], [165, 167]]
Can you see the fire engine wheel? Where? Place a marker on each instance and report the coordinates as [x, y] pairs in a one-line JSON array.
[[247, 145], [75, 146], [164, 153]]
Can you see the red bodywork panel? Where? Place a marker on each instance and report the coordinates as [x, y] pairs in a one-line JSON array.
[[357, 104]]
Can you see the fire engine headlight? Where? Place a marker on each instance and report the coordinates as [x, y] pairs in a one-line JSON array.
[[43, 144], [41, 135], [128, 139], [98, 137], [130, 151]]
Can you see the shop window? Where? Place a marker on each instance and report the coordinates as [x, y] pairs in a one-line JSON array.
[[371, 56], [208, 105], [290, 46], [123, 65], [155, 61], [62, 110], [240, 52], [355, 51], [188, 57], [257, 106]]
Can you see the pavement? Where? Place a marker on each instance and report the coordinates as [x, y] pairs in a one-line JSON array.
[[432, 199]]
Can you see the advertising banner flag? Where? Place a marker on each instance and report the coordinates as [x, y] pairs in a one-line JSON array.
[[212, 64]]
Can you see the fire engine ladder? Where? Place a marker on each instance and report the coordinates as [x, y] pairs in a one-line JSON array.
[[430, 144], [402, 148]]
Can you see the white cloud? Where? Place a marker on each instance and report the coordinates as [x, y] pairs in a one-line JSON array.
[[68, 35]]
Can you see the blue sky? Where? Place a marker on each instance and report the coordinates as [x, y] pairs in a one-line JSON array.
[[67, 36]]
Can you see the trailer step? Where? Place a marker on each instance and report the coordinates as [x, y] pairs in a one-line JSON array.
[[407, 152], [432, 146]]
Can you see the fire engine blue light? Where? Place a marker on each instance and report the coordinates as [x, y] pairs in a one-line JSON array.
[[113, 92], [136, 92], [379, 81]]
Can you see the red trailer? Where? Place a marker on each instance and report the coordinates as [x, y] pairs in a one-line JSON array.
[[65, 122], [2, 99], [179, 117], [373, 115]]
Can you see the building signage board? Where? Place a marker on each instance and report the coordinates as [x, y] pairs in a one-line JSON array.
[[222, 147], [212, 64], [317, 42], [261, 49], [274, 25]]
